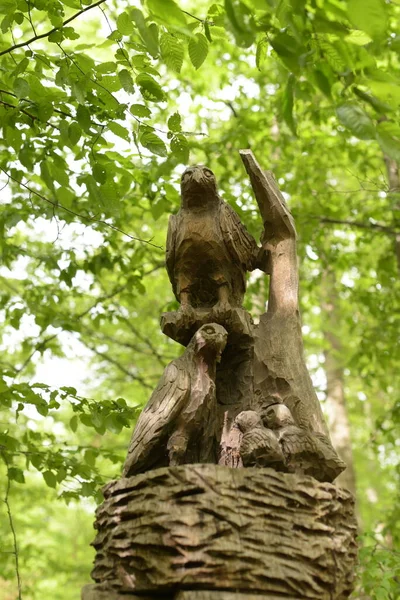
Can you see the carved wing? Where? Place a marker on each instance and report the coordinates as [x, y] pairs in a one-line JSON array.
[[154, 422], [170, 249], [241, 245], [260, 447]]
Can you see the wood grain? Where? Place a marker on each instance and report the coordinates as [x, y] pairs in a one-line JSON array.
[[204, 527]]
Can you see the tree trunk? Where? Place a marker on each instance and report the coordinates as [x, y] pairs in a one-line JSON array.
[[338, 421], [211, 532]]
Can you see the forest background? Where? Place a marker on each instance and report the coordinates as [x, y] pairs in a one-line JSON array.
[[102, 105]]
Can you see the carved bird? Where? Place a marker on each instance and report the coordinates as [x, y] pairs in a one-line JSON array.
[[259, 446], [304, 451], [208, 248], [177, 423]]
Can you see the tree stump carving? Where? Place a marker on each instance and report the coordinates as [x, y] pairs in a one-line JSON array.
[[226, 491]]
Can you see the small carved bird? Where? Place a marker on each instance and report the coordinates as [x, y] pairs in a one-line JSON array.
[[304, 451], [177, 423], [208, 248], [259, 446]]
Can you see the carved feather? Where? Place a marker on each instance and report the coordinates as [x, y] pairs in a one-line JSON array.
[[241, 245], [153, 424]]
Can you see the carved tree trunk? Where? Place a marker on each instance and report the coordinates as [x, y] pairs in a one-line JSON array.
[[210, 532], [222, 533]]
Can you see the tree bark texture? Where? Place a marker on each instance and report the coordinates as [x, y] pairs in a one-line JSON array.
[[279, 363], [223, 532]]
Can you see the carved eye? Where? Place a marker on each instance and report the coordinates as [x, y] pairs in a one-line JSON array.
[[208, 173], [209, 329]]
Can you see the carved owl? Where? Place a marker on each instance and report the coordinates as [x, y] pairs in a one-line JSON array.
[[208, 248], [176, 426], [259, 446], [304, 451]]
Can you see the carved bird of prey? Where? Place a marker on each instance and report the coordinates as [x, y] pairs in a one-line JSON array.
[[259, 446], [208, 248], [304, 451], [177, 424]]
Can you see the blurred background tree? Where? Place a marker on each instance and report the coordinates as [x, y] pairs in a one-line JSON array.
[[102, 105]]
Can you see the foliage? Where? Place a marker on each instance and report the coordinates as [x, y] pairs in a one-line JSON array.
[[101, 106]]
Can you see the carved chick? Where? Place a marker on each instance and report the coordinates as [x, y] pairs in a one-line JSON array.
[[176, 426], [208, 248], [259, 446], [305, 452]]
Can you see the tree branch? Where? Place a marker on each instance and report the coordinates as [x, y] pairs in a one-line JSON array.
[[48, 339], [117, 364], [377, 226], [45, 35], [10, 519], [80, 216]]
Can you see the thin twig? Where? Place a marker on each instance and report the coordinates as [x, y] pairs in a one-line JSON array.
[[48, 339], [45, 35], [377, 226], [10, 519], [80, 216], [117, 364]]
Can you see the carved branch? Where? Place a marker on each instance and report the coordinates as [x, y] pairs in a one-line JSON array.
[[279, 237]]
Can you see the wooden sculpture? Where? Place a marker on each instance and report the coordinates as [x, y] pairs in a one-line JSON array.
[[258, 518], [208, 248], [259, 446], [304, 452], [176, 426]]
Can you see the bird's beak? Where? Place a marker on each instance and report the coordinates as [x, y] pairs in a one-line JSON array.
[[197, 176]]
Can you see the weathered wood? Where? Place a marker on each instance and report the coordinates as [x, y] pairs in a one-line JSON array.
[[213, 595], [177, 425], [206, 527], [208, 248], [279, 364], [98, 592]]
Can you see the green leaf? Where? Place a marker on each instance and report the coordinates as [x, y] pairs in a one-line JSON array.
[[180, 148], [50, 478], [21, 87], [287, 104], [90, 457], [357, 37], [83, 117], [46, 175], [7, 6], [106, 67], [172, 51], [149, 35], [174, 122], [261, 52], [99, 173], [16, 475], [198, 49], [140, 110], [153, 143], [167, 11], [241, 21], [119, 130], [356, 120], [149, 88], [369, 15], [124, 24], [74, 133], [126, 81], [74, 423], [388, 136]]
